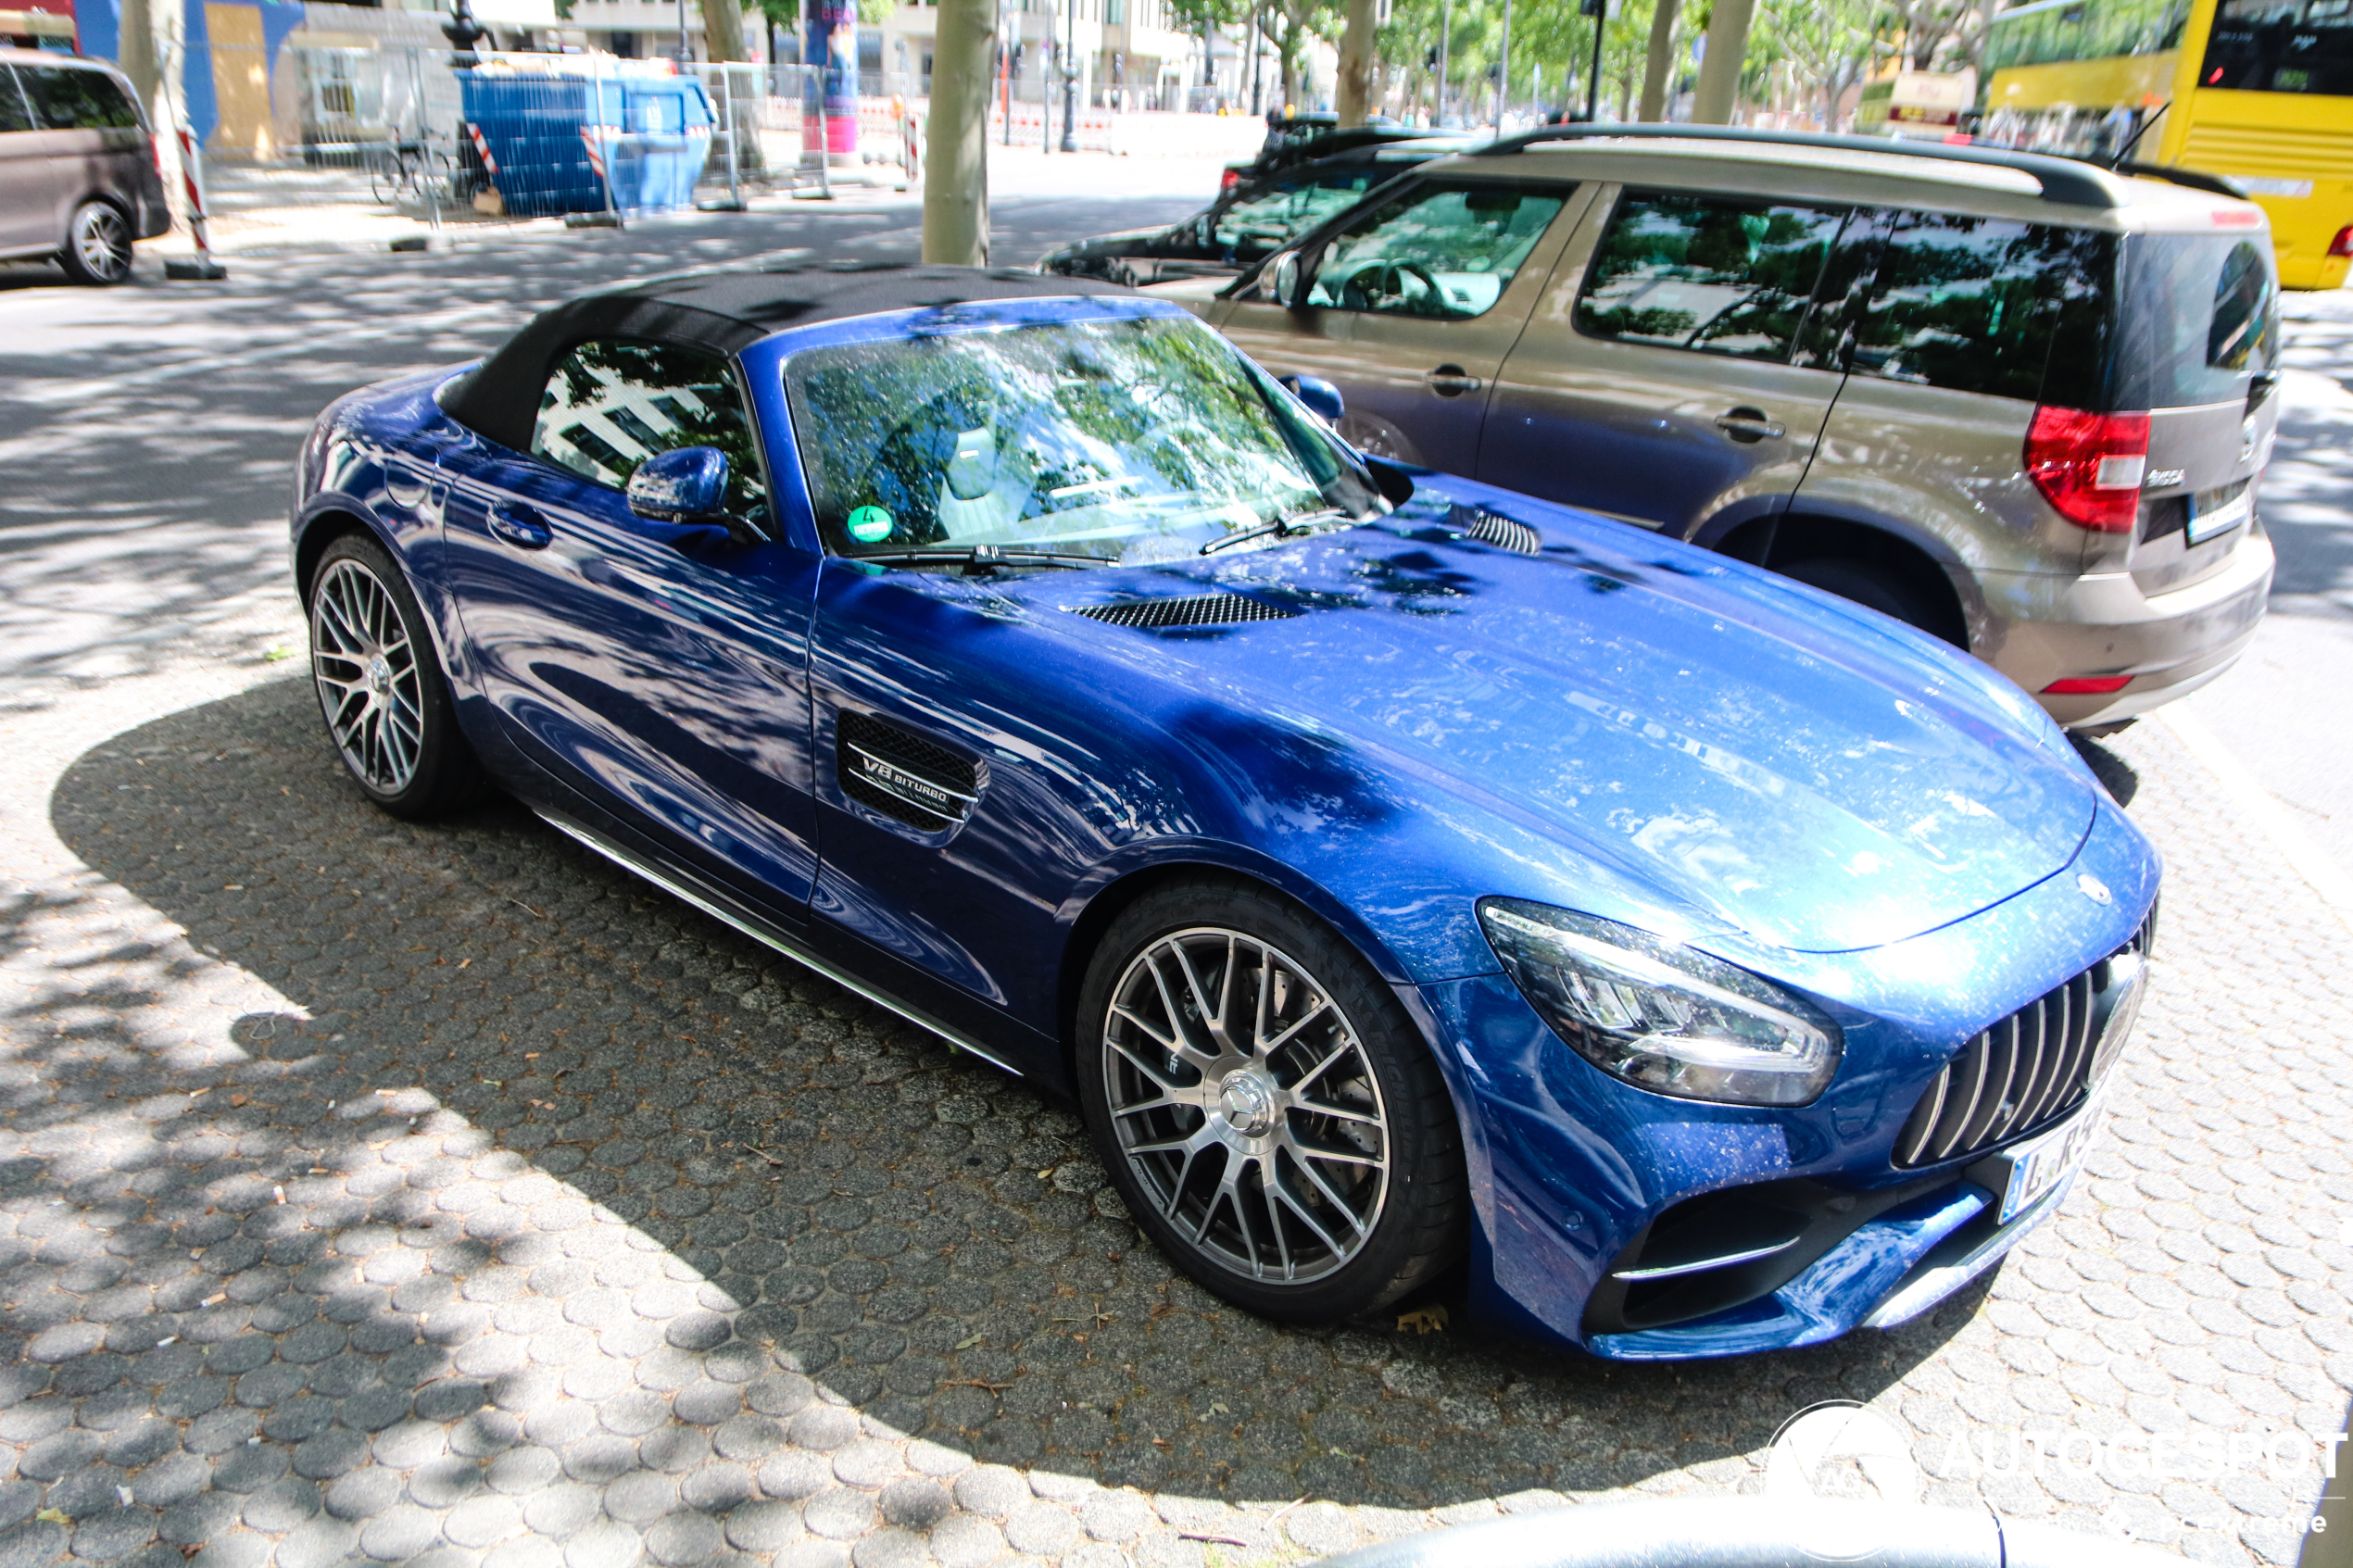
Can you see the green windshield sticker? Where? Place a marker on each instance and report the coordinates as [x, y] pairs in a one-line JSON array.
[[868, 524]]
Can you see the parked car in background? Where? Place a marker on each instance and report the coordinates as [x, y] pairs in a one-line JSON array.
[[1398, 873], [2017, 401], [80, 175], [1249, 220], [1304, 138]]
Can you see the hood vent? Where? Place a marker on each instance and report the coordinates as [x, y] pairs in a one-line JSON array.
[[1201, 610], [1495, 528]]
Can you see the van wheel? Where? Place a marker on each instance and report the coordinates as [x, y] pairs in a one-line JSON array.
[[1873, 588], [97, 248]]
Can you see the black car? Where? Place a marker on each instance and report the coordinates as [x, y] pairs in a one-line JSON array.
[[1308, 139], [1250, 221]]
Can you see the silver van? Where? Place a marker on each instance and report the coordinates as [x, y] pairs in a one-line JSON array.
[[80, 175], [2017, 401]]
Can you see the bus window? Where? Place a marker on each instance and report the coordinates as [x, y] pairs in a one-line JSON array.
[[2281, 46]]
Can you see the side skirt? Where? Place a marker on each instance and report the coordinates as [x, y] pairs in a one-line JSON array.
[[719, 907]]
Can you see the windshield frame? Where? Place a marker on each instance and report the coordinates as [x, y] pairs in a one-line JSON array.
[[771, 362]]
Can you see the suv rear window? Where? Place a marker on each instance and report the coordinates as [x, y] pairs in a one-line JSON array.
[[76, 98], [1976, 304], [2201, 314], [1717, 274]]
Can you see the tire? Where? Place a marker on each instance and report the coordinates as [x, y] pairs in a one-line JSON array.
[[1369, 1198], [380, 685], [1873, 588], [97, 248]]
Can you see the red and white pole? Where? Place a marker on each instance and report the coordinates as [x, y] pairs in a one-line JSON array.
[[204, 268]]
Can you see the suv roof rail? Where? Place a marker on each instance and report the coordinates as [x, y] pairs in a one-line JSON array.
[[2063, 180]]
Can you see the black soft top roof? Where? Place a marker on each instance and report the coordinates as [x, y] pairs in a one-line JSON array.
[[723, 312]]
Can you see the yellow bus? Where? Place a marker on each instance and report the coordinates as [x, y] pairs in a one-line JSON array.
[[2260, 90]]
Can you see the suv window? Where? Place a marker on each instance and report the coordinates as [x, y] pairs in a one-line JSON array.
[[1256, 223], [1717, 274], [71, 98], [611, 403], [1447, 251], [2200, 313], [1973, 304], [13, 115]]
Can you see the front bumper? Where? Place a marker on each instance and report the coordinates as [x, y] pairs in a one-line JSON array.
[[1577, 1172], [2042, 629]]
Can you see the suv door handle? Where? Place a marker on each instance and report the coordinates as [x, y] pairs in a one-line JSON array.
[[519, 525], [1748, 425], [1453, 381]]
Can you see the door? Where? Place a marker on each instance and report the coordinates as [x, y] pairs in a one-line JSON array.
[[1664, 379], [662, 671], [1412, 308], [29, 195]]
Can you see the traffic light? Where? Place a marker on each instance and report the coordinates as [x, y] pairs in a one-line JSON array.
[[1429, 60], [1589, 7]]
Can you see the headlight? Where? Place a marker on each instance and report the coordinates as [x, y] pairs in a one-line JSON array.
[[1659, 1015]]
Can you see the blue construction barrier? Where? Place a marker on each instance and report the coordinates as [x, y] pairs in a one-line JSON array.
[[555, 144]]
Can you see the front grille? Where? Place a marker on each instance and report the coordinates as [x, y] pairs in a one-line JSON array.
[[2032, 1069], [902, 775], [1202, 609]]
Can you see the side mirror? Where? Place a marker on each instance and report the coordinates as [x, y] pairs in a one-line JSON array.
[[685, 485], [1323, 399]]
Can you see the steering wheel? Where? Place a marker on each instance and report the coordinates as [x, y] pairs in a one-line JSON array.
[[1394, 286]]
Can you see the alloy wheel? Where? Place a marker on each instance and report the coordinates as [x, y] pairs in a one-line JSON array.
[[366, 669], [102, 242], [1247, 1108]]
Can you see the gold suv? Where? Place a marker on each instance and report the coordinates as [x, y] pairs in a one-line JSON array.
[[2017, 401]]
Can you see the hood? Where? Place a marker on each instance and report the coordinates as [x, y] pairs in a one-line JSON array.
[[1126, 241], [1799, 768]]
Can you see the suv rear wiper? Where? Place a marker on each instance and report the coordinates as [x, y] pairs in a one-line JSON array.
[[978, 559], [1297, 523]]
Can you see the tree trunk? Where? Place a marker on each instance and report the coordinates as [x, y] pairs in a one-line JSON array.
[[1355, 97], [1658, 70], [956, 162], [1719, 73], [722, 30]]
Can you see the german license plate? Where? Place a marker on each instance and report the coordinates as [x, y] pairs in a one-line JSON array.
[[2037, 1167], [2211, 522]]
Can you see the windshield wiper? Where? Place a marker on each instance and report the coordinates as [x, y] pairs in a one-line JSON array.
[[1296, 522], [978, 559]]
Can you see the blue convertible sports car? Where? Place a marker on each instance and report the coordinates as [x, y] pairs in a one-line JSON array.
[[1400, 873]]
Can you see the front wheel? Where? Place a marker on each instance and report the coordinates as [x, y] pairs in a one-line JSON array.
[[97, 248], [1266, 1109], [380, 684]]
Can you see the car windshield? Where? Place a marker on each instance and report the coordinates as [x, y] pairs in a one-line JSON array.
[[1122, 440]]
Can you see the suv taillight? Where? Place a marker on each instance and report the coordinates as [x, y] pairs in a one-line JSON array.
[[2089, 466], [2343, 244]]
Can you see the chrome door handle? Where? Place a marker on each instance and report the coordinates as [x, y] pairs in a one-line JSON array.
[[520, 526], [1453, 381], [1750, 424]]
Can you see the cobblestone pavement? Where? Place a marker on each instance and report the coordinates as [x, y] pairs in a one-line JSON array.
[[437, 1194]]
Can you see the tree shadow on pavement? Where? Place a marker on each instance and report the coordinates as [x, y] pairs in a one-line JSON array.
[[545, 1214]]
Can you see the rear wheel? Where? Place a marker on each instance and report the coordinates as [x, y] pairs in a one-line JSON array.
[[97, 248], [1266, 1110], [1873, 588], [380, 685]]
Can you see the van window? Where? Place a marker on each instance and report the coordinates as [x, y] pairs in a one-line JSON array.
[[1972, 304], [67, 98], [1713, 273], [1436, 250], [2201, 315], [13, 115]]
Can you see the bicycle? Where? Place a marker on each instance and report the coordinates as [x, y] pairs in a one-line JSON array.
[[406, 168]]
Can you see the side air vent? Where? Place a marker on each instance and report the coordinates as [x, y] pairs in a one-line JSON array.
[[902, 775], [2030, 1070], [1495, 528], [1202, 609]]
